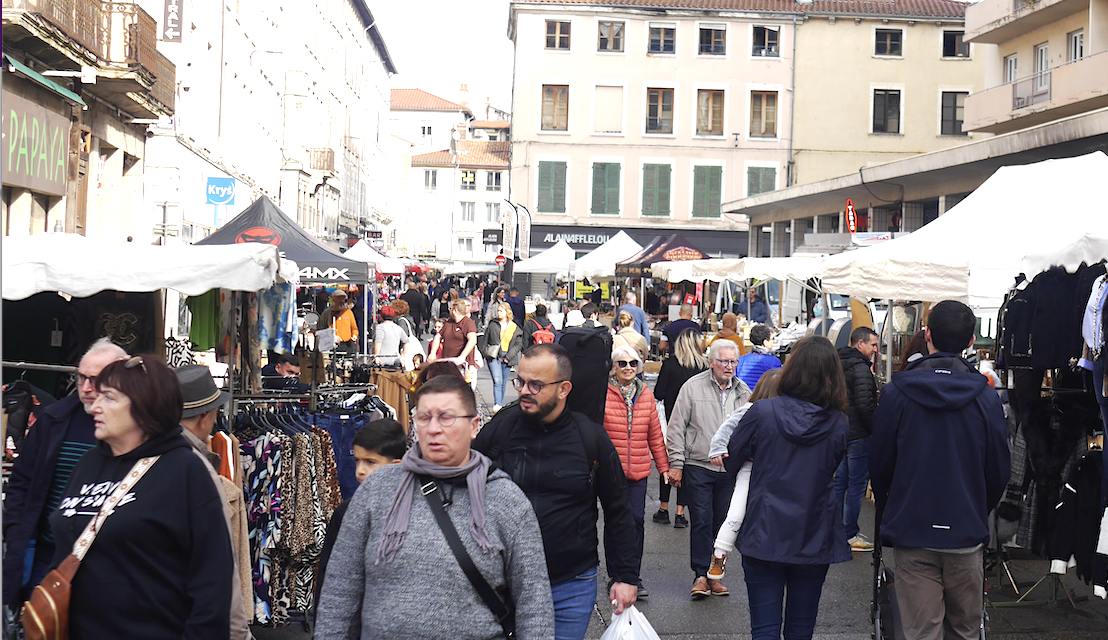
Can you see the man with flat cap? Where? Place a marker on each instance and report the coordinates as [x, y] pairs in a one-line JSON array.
[[202, 400]]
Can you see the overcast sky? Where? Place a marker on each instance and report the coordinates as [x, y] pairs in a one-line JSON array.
[[437, 45]]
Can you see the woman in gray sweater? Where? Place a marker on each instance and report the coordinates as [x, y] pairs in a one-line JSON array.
[[392, 574]]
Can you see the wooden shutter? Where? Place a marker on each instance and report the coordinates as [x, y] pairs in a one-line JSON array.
[[700, 191], [760, 180], [605, 187], [559, 187], [598, 187], [612, 190], [715, 190]]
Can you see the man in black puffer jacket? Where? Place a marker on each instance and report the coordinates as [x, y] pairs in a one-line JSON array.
[[852, 476]]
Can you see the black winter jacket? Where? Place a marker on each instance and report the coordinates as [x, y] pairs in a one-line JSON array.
[[548, 462], [671, 377], [939, 457], [861, 388]]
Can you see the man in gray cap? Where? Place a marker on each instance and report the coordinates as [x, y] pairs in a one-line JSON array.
[[202, 400]]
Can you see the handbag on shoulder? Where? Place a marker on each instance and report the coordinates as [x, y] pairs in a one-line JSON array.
[[46, 613]]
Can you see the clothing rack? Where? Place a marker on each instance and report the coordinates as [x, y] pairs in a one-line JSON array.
[[34, 366]]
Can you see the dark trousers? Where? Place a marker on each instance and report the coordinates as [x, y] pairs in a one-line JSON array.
[[1098, 386], [709, 496], [636, 495], [940, 595], [664, 489], [769, 585]]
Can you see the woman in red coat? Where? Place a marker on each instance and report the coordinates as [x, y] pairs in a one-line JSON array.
[[631, 420]]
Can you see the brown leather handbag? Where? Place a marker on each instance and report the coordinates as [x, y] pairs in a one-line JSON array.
[[46, 613]]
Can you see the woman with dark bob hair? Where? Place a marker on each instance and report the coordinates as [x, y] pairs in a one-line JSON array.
[[793, 529], [158, 567]]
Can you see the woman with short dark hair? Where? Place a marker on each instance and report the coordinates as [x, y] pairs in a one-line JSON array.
[[159, 566], [793, 528]]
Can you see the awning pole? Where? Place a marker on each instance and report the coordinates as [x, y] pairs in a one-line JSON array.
[[889, 341], [825, 317]]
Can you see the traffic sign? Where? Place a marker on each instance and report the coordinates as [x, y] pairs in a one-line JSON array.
[[500, 261]]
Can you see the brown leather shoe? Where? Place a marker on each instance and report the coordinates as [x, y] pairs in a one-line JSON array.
[[718, 568], [700, 588], [718, 588]]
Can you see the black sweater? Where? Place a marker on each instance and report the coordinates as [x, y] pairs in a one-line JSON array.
[[548, 462], [671, 377], [159, 566]]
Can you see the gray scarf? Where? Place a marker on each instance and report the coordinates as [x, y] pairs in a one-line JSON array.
[[476, 472]]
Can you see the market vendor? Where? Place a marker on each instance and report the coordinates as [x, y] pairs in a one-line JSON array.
[[340, 317]]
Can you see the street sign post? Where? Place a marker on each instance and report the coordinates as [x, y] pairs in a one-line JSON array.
[[500, 261]]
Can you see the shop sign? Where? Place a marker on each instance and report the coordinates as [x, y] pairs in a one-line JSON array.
[[492, 236], [171, 20], [374, 235], [851, 217], [221, 191], [577, 238], [37, 145], [682, 253]]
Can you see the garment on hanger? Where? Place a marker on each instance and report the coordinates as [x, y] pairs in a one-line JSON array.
[[277, 318], [206, 319], [178, 353], [1077, 519]]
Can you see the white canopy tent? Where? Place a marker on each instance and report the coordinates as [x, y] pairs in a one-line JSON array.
[[556, 260], [1088, 247], [600, 263], [80, 267], [973, 252], [362, 252], [798, 268]]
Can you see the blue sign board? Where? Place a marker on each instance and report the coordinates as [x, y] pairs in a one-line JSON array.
[[221, 191]]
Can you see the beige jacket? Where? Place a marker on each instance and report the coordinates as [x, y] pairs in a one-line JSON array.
[[700, 409]]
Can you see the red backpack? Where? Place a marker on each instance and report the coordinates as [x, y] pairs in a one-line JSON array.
[[542, 335]]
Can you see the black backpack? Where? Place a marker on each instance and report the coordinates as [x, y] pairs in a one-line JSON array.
[[590, 350], [504, 422]]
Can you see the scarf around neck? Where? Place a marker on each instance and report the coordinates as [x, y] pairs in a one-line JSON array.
[[476, 473]]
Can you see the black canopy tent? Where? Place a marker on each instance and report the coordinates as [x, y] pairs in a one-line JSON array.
[[674, 247]]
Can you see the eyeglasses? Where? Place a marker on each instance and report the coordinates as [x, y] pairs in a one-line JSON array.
[[136, 361], [623, 364], [445, 419], [81, 379], [728, 363], [533, 388]]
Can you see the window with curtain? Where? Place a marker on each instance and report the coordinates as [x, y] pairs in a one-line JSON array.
[[763, 114], [709, 112]]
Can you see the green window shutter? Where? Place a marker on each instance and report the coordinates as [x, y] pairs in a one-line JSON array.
[[700, 191], [559, 188], [546, 186], [598, 190], [664, 171], [612, 188], [715, 190], [760, 180], [650, 189]]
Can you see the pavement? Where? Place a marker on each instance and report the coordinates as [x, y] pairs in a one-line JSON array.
[[844, 612]]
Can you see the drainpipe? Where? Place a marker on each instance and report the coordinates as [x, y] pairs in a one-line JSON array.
[[789, 176]]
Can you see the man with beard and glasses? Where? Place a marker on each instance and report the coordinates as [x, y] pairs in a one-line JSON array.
[[46, 459], [563, 462]]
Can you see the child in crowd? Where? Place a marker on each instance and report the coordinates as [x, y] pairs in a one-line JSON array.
[[379, 443], [729, 531]]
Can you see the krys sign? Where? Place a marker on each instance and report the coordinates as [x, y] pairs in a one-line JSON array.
[[221, 191], [36, 145]]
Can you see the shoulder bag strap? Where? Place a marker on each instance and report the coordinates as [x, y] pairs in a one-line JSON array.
[[501, 610], [81, 547]]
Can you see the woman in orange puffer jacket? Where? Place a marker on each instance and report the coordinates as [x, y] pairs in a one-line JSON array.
[[631, 420]]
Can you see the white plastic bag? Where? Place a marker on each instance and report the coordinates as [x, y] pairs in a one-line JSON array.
[[630, 625]]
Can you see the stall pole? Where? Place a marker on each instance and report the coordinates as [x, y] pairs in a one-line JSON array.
[[889, 341], [366, 301], [825, 325]]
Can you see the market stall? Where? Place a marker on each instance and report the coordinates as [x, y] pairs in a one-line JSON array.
[[600, 263]]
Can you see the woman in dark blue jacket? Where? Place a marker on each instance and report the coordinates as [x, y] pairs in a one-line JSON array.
[[793, 529]]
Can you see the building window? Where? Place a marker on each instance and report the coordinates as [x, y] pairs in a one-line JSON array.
[[760, 180], [766, 42], [707, 191], [468, 214], [663, 39], [552, 187], [605, 188], [608, 109], [430, 179], [713, 40], [1010, 67], [492, 181], [469, 181], [659, 111], [886, 111], [555, 107], [763, 114], [953, 47], [425, 131], [655, 189], [610, 37], [557, 35], [1042, 67], [492, 212], [1076, 45], [888, 42], [954, 106], [465, 246], [709, 112]]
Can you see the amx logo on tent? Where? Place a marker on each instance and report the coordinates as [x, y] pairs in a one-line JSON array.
[[329, 274]]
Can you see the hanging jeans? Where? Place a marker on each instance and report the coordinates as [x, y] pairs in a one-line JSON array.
[[342, 427]]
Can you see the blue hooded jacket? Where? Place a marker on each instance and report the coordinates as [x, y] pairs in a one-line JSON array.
[[939, 459], [791, 513]]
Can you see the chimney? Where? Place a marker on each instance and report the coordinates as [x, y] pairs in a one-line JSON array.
[[461, 129], [488, 105], [464, 101]]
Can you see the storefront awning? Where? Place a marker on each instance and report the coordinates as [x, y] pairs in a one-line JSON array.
[[31, 74]]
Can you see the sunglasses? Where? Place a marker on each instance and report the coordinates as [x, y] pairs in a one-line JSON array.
[[136, 361], [623, 364]]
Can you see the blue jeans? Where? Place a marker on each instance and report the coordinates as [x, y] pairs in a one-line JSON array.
[[851, 479], [500, 372], [342, 441], [574, 601], [796, 586], [709, 495]]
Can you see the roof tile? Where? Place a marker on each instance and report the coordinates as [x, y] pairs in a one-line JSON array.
[[890, 8], [471, 153], [418, 99]]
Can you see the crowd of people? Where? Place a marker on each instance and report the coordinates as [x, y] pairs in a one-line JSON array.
[[769, 460]]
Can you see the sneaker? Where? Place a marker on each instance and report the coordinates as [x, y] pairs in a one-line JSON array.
[[716, 571], [700, 588], [496, 408], [859, 543], [680, 522], [661, 517], [718, 588], [643, 593]]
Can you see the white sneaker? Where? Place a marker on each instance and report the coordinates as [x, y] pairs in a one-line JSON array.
[[495, 408], [859, 543]]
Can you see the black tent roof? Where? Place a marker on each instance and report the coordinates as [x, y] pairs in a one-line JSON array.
[[674, 247], [265, 223]]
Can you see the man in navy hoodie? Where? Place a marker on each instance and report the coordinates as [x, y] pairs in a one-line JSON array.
[[939, 463]]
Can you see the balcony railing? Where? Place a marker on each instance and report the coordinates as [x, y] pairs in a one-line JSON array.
[[165, 84], [1031, 90], [86, 21]]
